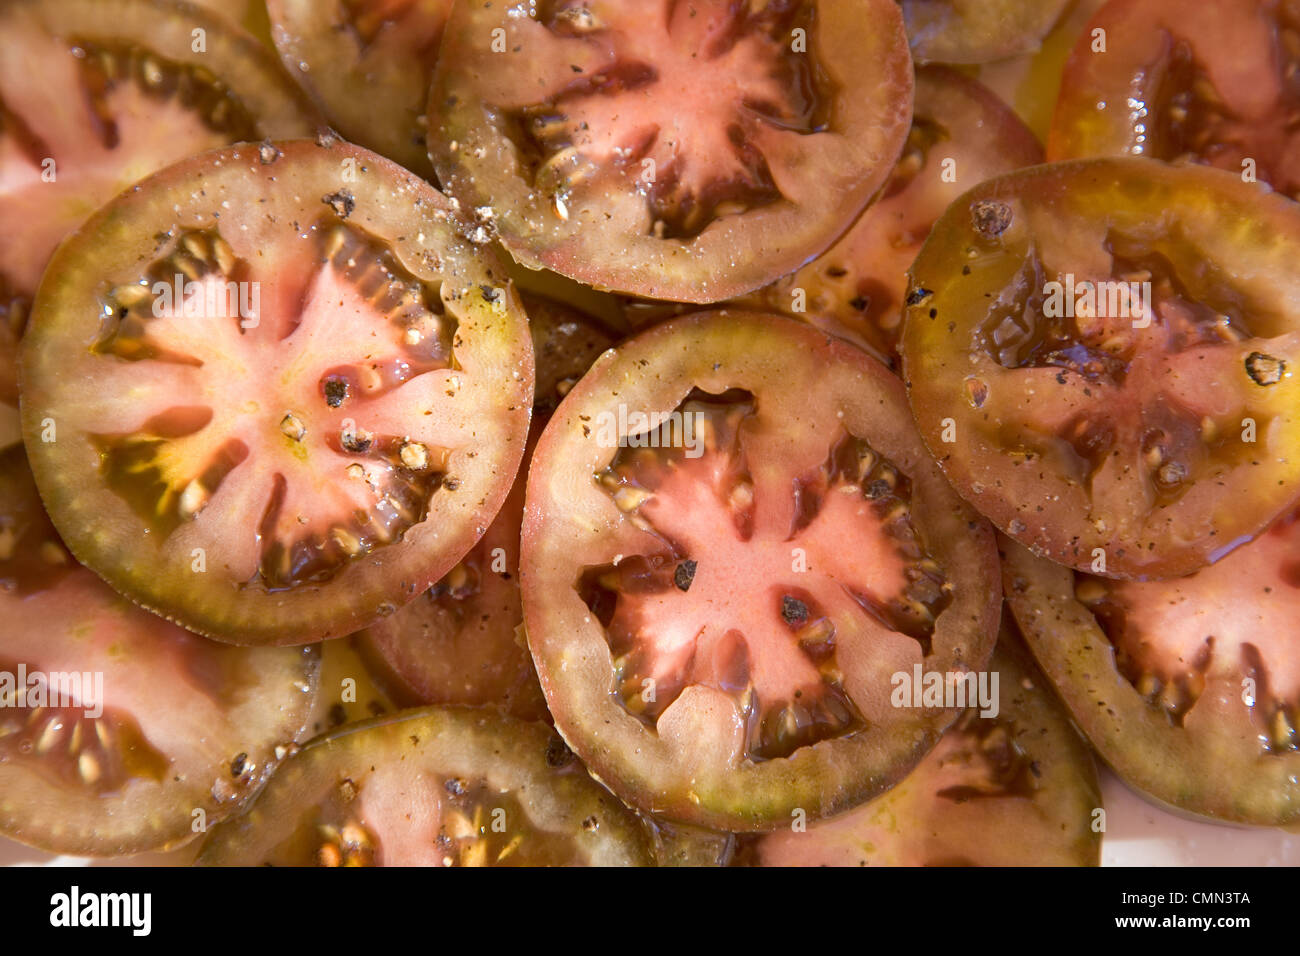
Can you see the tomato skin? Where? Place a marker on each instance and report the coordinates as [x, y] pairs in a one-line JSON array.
[[596, 234], [677, 772], [980, 419], [385, 200]]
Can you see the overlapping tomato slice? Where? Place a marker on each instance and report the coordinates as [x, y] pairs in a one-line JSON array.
[[678, 150], [1213, 83], [1189, 688], [120, 732], [338, 49], [1102, 356], [961, 134], [273, 394], [733, 539], [434, 787], [1016, 788], [461, 642], [97, 94]]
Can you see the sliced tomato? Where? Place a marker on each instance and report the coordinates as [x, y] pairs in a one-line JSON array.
[[435, 787], [1212, 83], [96, 94], [1188, 688], [338, 49], [1102, 355], [716, 599], [120, 732], [294, 465], [961, 134], [462, 642], [1018, 788], [977, 31], [692, 151]]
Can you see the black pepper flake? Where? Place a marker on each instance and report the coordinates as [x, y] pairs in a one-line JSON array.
[[489, 293], [860, 303], [238, 764], [793, 611], [336, 392], [337, 715], [455, 787], [357, 444], [1265, 369], [990, 217], [918, 295], [558, 753], [684, 575], [342, 202]]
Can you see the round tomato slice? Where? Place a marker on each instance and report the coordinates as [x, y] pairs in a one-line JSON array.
[[1015, 788], [461, 642], [272, 394], [1188, 688], [338, 49], [687, 151], [977, 31], [1211, 83], [961, 134], [733, 538], [120, 732], [1102, 355], [96, 94], [436, 787]]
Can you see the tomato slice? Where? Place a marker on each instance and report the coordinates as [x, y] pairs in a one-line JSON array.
[[294, 465], [1211, 83], [462, 641], [1188, 688], [716, 599], [977, 31], [690, 151], [88, 106], [1015, 789], [339, 48], [1102, 356], [961, 134], [434, 787], [120, 732]]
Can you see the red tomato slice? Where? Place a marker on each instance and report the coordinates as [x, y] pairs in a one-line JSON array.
[[1101, 355], [1189, 688], [338, 49], [120, 732], [1015, 789], [687, 151], [435, 787], [295, 464], [716, 605], [96, 94], [1209, 83], [961, 134]]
